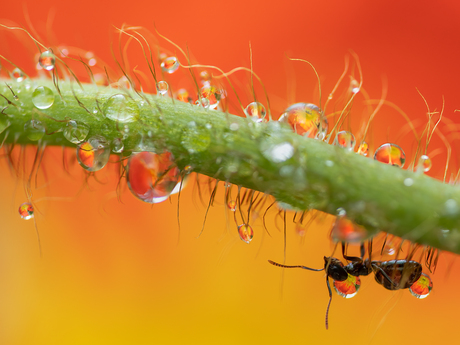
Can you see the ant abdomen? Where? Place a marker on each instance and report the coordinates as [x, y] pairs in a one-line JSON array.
[[396, 274]]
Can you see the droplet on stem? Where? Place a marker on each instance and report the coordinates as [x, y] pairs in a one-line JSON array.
[[256, 111], [93, 154], [424, 164], [47, 60], [34, 130], [121, 108], [306, 119], [162, 88], [390, 154], [170, 64], [345, 139], [43, 97], [76, 132]]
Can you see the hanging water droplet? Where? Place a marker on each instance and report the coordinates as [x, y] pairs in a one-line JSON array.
[[170, 64], [256, 111], [300, 230], [93, 154], [4, 123], [47, 60], [422, 287], [121, 108], [26, 211], [183, 96], [246, 233], [43, 97], [390, 154], [18, 75], [424, 164], [363, 149], [349, 287], [345, 139], [306, 119], [152, 177], [212, 95], [162, 88], [117, 145], [232, 205], [347, 231], [75, 132], [34, 130]]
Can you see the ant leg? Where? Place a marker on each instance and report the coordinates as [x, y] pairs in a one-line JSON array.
[[329, 303], [298, 266], [349, 258]]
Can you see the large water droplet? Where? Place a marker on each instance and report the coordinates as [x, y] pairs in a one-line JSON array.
[[424, 164], [170, 64], [256, 111], [43, 97], [93, 154], [47, 60], [162, 88], [34, 130], [347, 231], [345, 139], [210, 96], [349, 287], [26, 211], [306, 119], [121, 108], [75, 132], [117, 145], [422, 287], [18, 75], [246, 233], [152, 177], [390, 154]]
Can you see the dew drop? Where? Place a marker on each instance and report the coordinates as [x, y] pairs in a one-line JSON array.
[[256, 111], [93, 154], [121, 108], [300, 230], [43, 97], [170, 64], [424, 164], [422, 287], [246, 233], [389, 249], [26, 211], [47, 60], [212, 95], [34, 130], [162, 88], [4, 123], [75, 132], [347, 231], [345, 139], [117, 145], [152, 177], [390, 154], [278, 153], [363, 149], [354, 86], [306, 119], [18, 75], [347, 288], [205, 77], [232, 205], [184, 96]]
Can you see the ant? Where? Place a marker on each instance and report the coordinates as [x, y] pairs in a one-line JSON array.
[[392, 275]]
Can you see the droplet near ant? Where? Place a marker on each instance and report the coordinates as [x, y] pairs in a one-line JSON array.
[[392, 275]]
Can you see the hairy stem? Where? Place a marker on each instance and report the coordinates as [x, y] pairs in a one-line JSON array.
[[267, 157]]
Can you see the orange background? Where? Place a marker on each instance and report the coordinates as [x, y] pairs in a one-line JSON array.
[[113, 273]]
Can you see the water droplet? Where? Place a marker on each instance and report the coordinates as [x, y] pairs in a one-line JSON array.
[[188, 169], [43, 97], [354, 86], [408, 182], [389, 249], [152, 177], [422, 287], [234, 126], [246, 233], [183, 96], [34, 130], [306, 119], [195, 138], [232, 205], [205, 77], [212, 95], [75, 132], [93, 154], [277, 153], [345, 230], [117, 145], [363, 149], [47, 60], [4, 123], [300, 230], [26, 211], [162, 88], [121, 108], [170, 64], [256, 111], [390, 154], [424, 164], [345, 139], [349, 287], [18, 75]]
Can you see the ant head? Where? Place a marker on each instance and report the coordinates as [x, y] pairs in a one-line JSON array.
[[335, 269]]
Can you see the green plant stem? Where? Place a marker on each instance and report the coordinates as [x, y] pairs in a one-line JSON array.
[[227, 147]]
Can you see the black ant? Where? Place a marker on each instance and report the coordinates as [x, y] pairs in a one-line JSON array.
[[392, 275]]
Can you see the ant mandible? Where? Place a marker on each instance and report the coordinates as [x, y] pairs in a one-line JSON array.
[[392, 275]]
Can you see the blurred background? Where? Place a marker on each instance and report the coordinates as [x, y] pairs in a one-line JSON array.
[[113, 271]]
